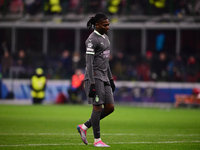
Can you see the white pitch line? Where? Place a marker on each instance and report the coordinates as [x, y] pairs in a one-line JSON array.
[[165, 142], [117, 134], [116, 143]]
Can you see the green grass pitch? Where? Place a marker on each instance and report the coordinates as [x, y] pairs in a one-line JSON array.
[[53, 127]]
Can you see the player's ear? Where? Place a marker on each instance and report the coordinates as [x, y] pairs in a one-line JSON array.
[[97, 25]]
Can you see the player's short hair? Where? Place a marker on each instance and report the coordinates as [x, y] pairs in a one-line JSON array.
[[93, 20]]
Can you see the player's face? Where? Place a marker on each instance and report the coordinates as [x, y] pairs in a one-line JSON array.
[[103, 26]]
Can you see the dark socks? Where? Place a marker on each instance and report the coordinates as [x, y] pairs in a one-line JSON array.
[[95, 119], [89, 123]]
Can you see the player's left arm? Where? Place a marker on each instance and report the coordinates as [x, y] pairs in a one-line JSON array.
[[109, 73], [112, 84]]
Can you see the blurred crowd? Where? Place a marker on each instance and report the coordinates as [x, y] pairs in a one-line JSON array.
[[156, 67], [113, 7], [151, 67]]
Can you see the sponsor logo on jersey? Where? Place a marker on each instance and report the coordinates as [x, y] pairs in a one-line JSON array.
[[106, 53]]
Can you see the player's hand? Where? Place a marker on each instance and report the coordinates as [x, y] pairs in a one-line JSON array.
[[92, 91], [112, 84]]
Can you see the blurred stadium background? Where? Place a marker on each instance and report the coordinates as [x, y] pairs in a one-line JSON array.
[[155, 47]]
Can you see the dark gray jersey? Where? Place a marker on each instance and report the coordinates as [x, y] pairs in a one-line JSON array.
[[97, 57]]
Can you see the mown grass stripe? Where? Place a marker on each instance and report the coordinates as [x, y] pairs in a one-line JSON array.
[[164, 142], [116, 134]]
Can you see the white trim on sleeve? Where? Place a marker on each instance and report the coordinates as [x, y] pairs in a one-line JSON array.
[[90, 53]]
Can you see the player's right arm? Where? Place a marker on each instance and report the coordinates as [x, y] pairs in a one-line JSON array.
[[90, 54], [89, 67]]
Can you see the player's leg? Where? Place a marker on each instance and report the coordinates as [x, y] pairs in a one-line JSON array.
[[109, 100], [101, 93], [95, 119], [108, 109], [37, 100], [97, 114], [82, 129], [108, 106], [83, 133]]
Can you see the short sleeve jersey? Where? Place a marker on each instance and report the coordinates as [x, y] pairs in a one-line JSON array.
[[97, 55]]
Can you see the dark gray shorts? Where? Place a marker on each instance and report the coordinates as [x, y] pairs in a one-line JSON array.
[[104, 93]]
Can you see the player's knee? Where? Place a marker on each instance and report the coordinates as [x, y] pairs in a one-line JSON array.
[[110, 110], [97, 108]]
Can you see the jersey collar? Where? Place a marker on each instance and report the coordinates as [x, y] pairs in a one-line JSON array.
[[99, 34]]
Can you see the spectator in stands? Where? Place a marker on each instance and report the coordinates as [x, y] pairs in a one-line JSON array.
[[137, 7], [144, 67], [120, 66], [177, 72], [66, 64], [16, 7], [104, 5], [191, 69], [52, 7], [131, 68], [94, 6], [61, 98], [21, 59], [20, 63], [3, 47], [114, 7], [38, 86], [34, 6], [7, 62], [158, 6], [159, 68], [197, 7], [182, 8], [76, 90], [1, 5], [75, 6], [78, 61], [4, 6], [19, 66]]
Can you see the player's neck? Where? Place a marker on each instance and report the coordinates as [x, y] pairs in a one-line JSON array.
[[99, 33]]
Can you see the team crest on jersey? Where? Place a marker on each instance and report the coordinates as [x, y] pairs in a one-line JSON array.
[[90, 44], [97, 98]]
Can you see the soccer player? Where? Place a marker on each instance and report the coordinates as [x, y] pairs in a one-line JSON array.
[[99, 85]]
